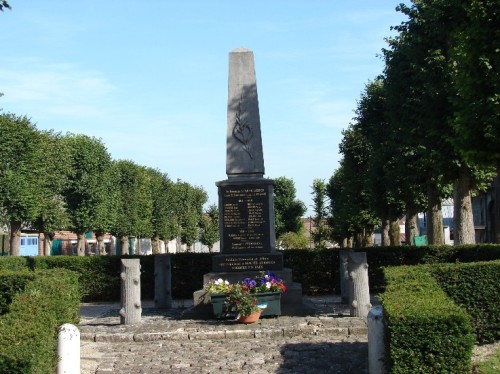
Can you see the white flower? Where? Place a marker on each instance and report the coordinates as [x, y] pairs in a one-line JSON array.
[[268, 285]]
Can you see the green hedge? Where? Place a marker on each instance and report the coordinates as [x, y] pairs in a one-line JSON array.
[[379, 257], [316, 270], [475, 287], [426, 331], [28, 332], [11, 283]]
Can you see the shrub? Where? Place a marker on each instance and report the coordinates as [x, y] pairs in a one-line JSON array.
[[10, 284], [426, 331], [28, 333], [476, 288]]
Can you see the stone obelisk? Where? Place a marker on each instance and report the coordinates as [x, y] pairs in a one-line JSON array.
[[246, 197], [244, 157]]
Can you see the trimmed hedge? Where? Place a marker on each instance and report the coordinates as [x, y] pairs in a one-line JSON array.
[[379, 257], [316, 270], [28, 332], [11, 283], [426, 331], [476, 288]]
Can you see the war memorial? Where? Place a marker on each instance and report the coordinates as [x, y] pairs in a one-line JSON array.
[[248, 244]]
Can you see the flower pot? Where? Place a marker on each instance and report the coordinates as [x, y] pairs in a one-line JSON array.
[[273, 301], [217, 301], [251, 318]]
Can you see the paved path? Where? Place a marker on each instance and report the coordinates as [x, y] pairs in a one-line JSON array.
[[164, 342]]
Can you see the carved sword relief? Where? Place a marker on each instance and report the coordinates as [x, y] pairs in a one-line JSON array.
[[242, 130]]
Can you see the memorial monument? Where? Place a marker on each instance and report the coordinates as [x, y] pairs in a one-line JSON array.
[[248, 240]]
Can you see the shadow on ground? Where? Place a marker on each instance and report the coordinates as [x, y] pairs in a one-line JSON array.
[[324, 357]]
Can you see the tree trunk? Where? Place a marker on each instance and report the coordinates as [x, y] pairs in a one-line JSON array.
[[368, 237], [434, 217], [359, 292], [15, 238], [80, 243], [386, 241], [496, 206], [47, 243], [101, 248], [463, 221], [358, 240], [155, 245], [394, 233], [125, 245], [411, 225]]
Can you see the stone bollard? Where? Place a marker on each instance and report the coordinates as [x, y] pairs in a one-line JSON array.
[[376, 344], [163, 281], [359, 292], [131, 310], [68, 349], [344, 276]]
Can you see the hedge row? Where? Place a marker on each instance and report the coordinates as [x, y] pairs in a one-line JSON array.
[[11, 283], [476, 288], [316, 270], [426, 331], [28, 332]]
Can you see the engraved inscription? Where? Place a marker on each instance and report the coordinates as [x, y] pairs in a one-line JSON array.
[[250, 263], [245, 213]]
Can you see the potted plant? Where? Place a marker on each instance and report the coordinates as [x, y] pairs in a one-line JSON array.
[[265, 288], [243, 304]]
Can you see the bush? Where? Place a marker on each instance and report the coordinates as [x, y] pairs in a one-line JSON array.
[[426, 331], [10, 284], [28, 332], [475, 287]]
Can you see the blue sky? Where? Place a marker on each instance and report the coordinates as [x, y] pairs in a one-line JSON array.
[[150, 78]]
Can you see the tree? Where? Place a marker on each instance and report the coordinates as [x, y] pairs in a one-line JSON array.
[[135, 206], [88, 191], [161, 215], [321, 231], [475, 67], [53, 215], [187, 204], [210, 227], [21, 163], [4, 4], [420, 89], [475, 64], [288, 210]]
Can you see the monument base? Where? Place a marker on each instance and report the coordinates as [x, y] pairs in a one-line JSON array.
[[291, 300], [247, 262]]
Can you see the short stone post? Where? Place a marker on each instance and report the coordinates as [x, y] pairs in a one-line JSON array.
[[163, 281], [344, 276], [359, 292], [68, 349], [131, 310], [376, 344]]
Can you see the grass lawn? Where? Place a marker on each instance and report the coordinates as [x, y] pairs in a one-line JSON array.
[[490, 366]]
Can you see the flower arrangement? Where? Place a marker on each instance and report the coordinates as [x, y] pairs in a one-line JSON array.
[[241, 297], [265, 282], [217, 286], [241, 302]]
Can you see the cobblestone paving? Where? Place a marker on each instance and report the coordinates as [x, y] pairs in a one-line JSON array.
[[328, 342]]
